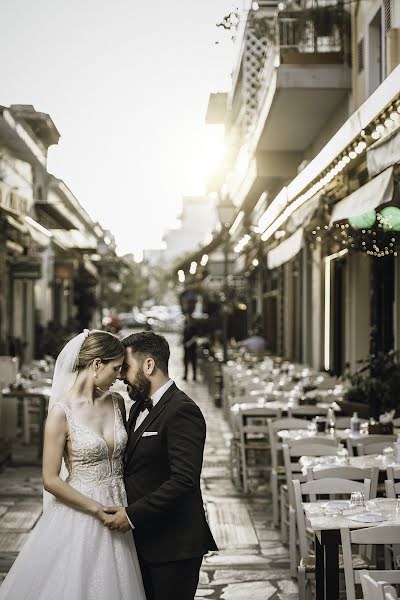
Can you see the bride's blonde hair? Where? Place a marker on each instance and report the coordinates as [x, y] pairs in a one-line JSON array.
[[99, 344]]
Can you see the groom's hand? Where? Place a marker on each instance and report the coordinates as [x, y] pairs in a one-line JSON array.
[[117, 519]]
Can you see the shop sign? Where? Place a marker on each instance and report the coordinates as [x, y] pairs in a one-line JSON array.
[[26, 267]]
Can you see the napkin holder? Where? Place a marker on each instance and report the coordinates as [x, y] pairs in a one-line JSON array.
[[381, 428]]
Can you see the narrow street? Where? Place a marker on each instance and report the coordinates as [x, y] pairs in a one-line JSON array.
[[252, 564]]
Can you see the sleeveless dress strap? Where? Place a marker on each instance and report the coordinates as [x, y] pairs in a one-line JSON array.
[[65, 408]]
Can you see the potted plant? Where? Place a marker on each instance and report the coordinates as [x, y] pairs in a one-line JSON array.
[[376, 382]]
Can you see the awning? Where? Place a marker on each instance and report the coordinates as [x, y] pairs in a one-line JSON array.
[[73, 238], [368, 197], [303, 215], [384, 153], [40, 235], [286, 250]]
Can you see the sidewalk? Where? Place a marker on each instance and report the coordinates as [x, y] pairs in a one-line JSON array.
[[252, 564]]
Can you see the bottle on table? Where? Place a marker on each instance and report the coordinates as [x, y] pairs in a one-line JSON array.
[[355, 424], [331, 420]]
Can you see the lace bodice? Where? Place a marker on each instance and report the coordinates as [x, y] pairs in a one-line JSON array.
[[90, 461]]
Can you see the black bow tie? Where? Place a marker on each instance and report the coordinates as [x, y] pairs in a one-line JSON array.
[[147, 404]]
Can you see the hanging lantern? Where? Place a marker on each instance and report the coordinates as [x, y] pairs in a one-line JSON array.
[[390, 218], [363, 221]]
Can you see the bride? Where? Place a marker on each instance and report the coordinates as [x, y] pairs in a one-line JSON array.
[[71, 554]]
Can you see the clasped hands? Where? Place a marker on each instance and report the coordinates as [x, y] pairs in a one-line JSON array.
[[114, 517]]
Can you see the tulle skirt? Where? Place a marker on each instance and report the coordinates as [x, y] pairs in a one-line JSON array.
[[72, 556]]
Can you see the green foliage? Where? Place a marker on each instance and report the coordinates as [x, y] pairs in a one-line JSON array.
[[376, 382], [133, 292]]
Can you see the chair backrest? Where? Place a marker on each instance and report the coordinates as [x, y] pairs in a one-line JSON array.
[[378, 535], [306, 411], [392, 488], [373, 447], [376, 438], [252, 416], [292, 467], [275, 425], [350, 473], [393, 474], [321, 487], [319, 440], [376, 590]]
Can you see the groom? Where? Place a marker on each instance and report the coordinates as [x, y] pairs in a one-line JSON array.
[[163, 461]]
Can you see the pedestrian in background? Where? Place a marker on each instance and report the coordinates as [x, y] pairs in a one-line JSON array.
[[190, 335]]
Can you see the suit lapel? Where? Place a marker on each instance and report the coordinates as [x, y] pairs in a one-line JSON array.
[[133, 415], [153, 414]]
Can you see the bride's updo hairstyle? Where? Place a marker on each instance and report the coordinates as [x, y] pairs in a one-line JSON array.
[[99, 344]]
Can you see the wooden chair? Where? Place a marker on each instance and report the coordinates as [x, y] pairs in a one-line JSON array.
[[277, 467], [312, 489], [253, 437], [393, 476], [350, 473], [376, 590], [291, 455], [374, 444], [392, 489], [371, 536]]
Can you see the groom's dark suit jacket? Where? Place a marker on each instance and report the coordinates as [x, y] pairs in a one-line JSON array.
[[162, 480]]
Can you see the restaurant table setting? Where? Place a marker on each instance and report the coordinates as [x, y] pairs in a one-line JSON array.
[[325, 518], [360, 462]]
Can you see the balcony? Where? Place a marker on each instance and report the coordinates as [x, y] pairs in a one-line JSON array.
[[292, 83], [304, 80]]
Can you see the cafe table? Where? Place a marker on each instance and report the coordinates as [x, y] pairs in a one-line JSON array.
[[326, 529], [26, 395]]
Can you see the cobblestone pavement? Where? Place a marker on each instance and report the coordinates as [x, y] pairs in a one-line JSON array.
[[252, 564]]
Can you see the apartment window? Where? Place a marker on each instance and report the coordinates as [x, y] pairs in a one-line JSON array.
[[375, 52], [361, 55]]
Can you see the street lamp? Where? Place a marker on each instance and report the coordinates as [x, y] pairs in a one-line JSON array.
[[226, 213]]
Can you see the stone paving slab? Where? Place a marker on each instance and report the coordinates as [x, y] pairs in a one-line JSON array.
[[231, 524], [21, 518]]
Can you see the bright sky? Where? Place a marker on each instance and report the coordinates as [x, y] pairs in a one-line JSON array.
[[127, 84]]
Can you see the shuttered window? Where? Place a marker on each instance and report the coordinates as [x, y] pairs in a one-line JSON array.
[[361, 55]]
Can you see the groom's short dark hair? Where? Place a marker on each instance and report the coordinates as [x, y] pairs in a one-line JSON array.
[[148, 343]]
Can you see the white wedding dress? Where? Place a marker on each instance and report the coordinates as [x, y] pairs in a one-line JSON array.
[[71, 555]]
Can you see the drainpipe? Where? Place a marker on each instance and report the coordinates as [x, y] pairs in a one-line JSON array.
[[354, 39]]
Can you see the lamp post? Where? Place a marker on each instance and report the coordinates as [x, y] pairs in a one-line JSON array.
[[226, 212]]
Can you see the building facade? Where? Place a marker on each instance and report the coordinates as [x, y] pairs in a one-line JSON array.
[[51, 251], [312, 127]]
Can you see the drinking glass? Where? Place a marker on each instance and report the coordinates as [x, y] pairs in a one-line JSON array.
[[388, 455], [357, 500]]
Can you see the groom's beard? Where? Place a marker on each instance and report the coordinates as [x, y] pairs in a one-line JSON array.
[[139, 389]]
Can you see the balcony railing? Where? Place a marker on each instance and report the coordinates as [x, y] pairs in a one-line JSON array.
[[304, 34]]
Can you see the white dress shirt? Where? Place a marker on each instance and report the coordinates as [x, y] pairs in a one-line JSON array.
[[155, 398], [142, 415]]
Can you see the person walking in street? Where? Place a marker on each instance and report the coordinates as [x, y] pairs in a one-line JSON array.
[[163, 461], [255, 342], [190, 335], [71, 554]]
